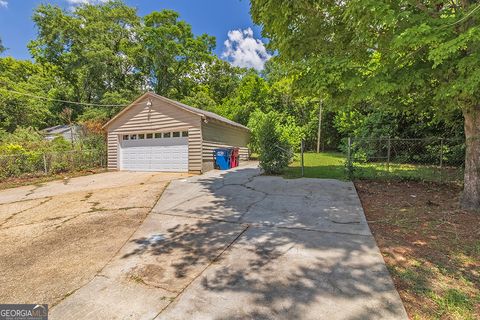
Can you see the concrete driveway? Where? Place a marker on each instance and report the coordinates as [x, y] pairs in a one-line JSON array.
[[238, 245], [55, 237]]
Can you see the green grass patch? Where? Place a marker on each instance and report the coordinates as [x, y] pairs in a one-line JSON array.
[[326, 165], [332, 165], [405, 171], [455, 304]]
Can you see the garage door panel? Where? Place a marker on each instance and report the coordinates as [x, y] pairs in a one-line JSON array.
[[165, 154]]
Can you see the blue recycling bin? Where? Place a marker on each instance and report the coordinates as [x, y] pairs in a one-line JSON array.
[[222, 158]]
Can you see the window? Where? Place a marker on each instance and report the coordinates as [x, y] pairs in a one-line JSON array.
[[149, 135], [158, 135], [166, 134], [184, 133], [125, 137], [141, 136], [176, 134], [133, 137]]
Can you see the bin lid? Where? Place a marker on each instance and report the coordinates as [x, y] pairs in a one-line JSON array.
[[221, 152]]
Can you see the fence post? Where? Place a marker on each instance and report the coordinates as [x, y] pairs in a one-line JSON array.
[[388, 154], [349, 157], [441, 153], [301, 151], [45, 164]]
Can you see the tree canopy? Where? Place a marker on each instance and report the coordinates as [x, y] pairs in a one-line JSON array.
[[381, 68], [411, 55]]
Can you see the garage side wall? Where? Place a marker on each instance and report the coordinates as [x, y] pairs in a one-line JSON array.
[[219, 135], [112, 151], [160, 117]]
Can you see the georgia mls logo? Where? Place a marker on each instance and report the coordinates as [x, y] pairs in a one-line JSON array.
[[23, 311], [40, 311]]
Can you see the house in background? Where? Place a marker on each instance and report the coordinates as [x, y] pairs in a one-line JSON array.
[[68, 132], [155, 133]]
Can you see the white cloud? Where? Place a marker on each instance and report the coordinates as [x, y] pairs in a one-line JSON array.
[[243, 50], [3, 3]]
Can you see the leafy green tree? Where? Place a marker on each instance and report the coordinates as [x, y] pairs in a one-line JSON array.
[[201, 98], [399, 54], [252, 93], [94, 48], [214, 86], [221, 79], [20, 81], [172, 57], [2, 48]]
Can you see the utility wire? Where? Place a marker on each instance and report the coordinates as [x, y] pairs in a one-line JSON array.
[[64, 101], [465, 17]]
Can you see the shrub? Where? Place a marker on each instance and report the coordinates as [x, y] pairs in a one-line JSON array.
[[275, 151], [15, 160], [285, 125]]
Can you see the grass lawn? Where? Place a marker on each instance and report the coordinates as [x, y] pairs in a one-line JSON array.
[[331, 165], [327, 165]]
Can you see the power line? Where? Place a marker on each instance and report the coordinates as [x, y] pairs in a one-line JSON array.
[[64, 101], [465, 17]]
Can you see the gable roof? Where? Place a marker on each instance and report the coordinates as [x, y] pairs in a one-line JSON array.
[[202, 113], [60, 129]]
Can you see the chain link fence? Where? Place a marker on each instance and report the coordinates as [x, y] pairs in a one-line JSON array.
[[48, 163], [429, 159]]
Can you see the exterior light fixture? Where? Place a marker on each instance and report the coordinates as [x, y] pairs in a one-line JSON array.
[[149, 103]]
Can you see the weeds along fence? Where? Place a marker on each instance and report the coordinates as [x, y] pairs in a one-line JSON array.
[[429, 159], [48, 163]]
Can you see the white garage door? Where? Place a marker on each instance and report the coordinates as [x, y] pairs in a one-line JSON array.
[[154, 152]]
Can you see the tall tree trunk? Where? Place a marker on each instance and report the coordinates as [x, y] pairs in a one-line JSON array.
[[471, 189]]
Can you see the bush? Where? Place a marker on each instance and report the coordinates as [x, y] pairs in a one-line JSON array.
[[285, 125], [15, 160], [27, 152], [275, 151]]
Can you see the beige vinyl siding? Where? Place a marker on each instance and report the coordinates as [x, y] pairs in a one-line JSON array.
[[216, 131], [209, 146], [195, 150], [217, 134], [112, 151], [207, 151], [160, 117]]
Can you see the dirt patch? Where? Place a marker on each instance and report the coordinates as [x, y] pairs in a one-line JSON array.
[[51, 246], [39, 180], [430, 245]]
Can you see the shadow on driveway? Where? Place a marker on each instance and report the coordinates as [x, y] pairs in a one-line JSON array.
[[260, 247]]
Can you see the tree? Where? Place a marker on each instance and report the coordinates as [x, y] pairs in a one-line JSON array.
[[393, 54], [172, 57], [2, 48], [251, 93], [94, 48], [20, 81]]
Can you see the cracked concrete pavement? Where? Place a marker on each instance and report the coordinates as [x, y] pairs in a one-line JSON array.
[[55, 237], [239, 245]]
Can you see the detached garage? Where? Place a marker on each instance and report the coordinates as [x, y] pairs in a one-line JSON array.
[[155, 133]]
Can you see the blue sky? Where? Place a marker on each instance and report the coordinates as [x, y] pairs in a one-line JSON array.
[[227, 20]]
